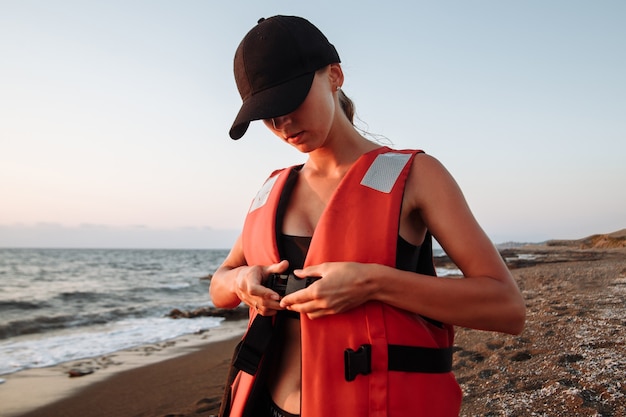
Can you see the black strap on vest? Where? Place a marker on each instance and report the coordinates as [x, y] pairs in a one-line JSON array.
[[258, 337], [356, 362], [420, 359], [254, 344], [400, 358]]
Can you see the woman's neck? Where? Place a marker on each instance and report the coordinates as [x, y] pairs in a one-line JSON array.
[[338, 154]]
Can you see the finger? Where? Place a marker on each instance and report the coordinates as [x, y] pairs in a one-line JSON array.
[[267, 307], [311, 308], [261, 291], [278, 267], [309, 271], [297, 297], [274, 269], [264, 293], [318, 314], [264, 311]]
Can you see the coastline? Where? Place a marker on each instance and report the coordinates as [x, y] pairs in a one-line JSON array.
[[40, 391], [568, 361]]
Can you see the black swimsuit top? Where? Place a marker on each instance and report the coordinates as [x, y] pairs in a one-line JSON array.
[[295, 248]]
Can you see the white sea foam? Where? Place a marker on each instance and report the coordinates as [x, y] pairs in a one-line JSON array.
[[445, 272], [61, 346]]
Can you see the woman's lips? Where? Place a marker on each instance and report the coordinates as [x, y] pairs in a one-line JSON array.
[[293, 138]]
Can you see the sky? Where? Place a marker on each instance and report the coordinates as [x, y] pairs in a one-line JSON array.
[[114, 115]]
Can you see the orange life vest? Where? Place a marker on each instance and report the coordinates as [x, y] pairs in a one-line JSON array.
[[347, 358]]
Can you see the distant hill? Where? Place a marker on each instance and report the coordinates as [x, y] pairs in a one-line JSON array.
[[515, 245], [601, 241]]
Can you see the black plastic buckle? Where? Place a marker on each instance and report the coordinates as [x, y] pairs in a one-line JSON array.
[[285, 284], [357, 362], [294, 283], [278, 283]]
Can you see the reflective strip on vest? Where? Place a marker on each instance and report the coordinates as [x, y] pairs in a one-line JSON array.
[[384, 171], [263, 194]]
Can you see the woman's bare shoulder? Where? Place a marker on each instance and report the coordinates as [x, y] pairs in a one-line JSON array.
[[428, 179]]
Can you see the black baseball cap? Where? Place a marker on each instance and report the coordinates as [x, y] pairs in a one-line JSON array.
[[275, 64]]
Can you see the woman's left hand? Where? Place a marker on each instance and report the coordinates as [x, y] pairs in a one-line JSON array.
[[343, 286]]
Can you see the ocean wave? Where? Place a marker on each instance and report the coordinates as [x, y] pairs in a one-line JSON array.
[[21, 305], [99, 298], [126, 266], [85, 296], [170, 286], [43, 324]]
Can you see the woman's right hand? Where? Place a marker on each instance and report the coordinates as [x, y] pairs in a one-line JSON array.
[[249, 288], [235, 282]]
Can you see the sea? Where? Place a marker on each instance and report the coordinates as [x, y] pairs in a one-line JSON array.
[[59, 305]]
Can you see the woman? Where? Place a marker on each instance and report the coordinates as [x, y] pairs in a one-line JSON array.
[[368, 330]]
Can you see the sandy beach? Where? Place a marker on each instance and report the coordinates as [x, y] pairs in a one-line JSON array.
[[569, 361], [185, 374]]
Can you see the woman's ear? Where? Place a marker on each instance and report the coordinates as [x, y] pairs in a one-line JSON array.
[[335, 75]]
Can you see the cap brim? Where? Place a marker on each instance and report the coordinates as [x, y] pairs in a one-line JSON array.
[[272, 102]]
